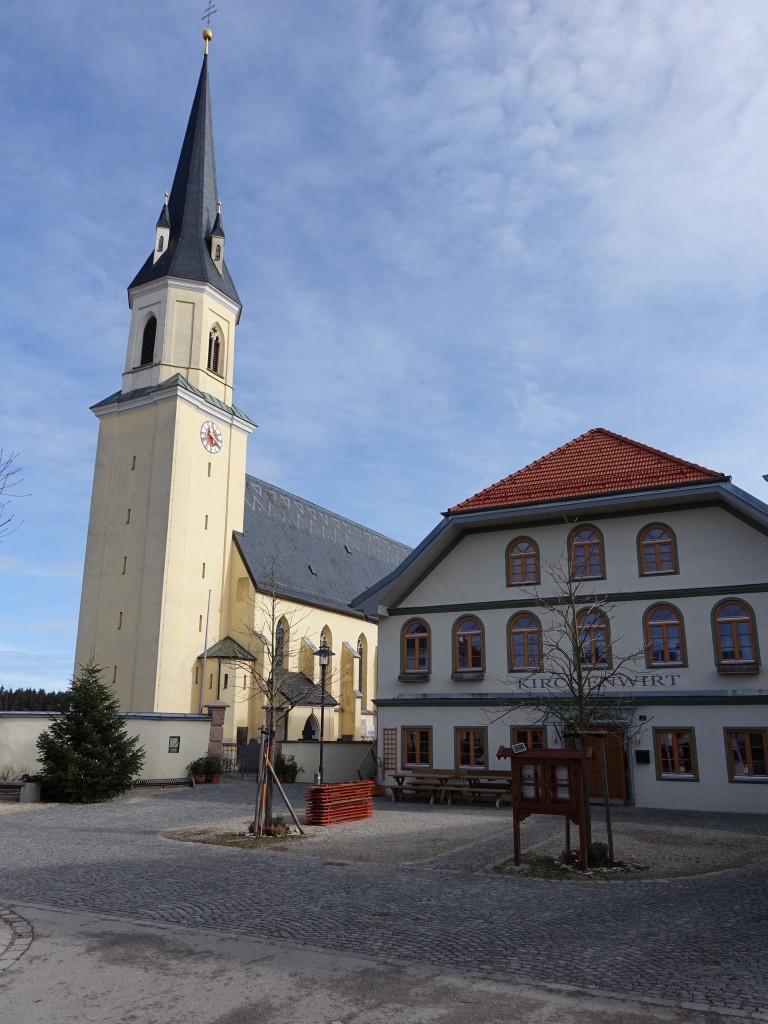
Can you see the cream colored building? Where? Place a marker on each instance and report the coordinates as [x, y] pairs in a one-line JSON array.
[[182, 545], [669, 562]]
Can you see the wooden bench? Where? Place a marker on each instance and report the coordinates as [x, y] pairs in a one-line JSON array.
[[416, 789], [498, 791]]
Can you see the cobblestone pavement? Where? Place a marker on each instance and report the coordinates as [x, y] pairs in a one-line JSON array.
[[15, 938], [695, 942]]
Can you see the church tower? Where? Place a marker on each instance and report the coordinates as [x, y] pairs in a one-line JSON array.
[[168, 488]]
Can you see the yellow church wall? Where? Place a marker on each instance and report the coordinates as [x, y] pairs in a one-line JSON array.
[[119, 620], [206, 507], [162, 515], [252, 613]]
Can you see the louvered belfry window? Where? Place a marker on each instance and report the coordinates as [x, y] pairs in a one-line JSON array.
[[148, 342], [214, 349]]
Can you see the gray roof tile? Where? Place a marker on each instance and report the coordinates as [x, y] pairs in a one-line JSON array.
[[319, 558]]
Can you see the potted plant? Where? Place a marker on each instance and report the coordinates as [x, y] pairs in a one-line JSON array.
[[379, 789], [196, 769], [286, 767], [212, 768]]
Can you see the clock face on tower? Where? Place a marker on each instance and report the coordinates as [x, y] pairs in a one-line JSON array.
[[211, 437]]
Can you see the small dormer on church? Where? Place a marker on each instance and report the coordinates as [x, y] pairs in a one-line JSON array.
[[217, 240], [184, 304], [162, 232]]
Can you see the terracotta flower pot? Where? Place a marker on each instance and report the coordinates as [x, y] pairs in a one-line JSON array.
[[215, 778], [199, 779]]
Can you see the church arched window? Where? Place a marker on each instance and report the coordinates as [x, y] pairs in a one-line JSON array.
[[214, 349], [160, 243], [148, 341]]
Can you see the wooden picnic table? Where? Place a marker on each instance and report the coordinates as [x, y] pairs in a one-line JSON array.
[[469, 783]]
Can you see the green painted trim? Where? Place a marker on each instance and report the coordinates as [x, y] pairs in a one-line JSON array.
[[538, 523], [504, 700], [675, 558], [676, 778], [715, 634], [612, 598], [655, 664], [661, 509], [429, 569], [749, 780]]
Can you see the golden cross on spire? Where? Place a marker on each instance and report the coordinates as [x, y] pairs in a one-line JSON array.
[[208, 13]]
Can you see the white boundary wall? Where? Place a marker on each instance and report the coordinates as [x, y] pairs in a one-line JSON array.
[[19, 731]]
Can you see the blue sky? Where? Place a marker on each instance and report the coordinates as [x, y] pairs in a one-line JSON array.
[[463, 232]]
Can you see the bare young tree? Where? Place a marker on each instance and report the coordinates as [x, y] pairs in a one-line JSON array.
[[9, 480], [583, 664], [275, 634]]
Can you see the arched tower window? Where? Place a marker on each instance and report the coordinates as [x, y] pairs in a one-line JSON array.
[[214, 349], [218, 252], [148, 341], [160, 243]]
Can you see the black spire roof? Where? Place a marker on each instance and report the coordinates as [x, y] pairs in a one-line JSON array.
[[192, 205]]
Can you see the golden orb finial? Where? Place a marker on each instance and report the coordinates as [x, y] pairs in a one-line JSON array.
[[207, 36]]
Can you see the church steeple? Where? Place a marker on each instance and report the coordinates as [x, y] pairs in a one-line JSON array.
[[192, 207]]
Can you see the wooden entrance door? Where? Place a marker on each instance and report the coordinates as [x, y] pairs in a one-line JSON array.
[[615, 761]]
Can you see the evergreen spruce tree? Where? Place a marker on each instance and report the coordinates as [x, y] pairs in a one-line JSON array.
[[87, 755]]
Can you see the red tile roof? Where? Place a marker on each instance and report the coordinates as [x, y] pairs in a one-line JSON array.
[[598, 462]]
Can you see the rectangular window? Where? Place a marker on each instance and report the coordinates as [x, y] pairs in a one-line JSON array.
[[125, 563], [128, 517], [417, 747], [534, 737], [389, 750], [471, 748], [747, 749], [675, 754], [203, 570], [133, 463], [174, 744], [119, 620]]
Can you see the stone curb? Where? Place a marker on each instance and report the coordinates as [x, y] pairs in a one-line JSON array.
[[21, 935]]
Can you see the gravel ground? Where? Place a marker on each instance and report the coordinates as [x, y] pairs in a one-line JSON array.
[[478, 838]]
